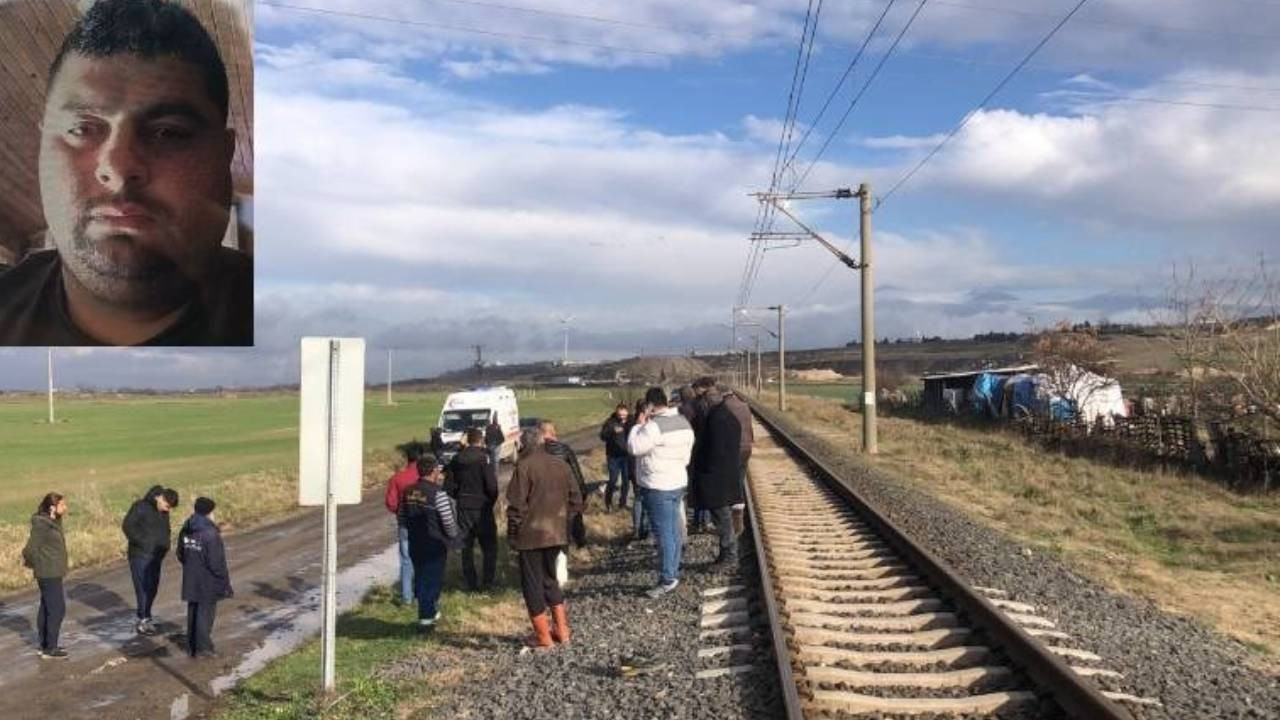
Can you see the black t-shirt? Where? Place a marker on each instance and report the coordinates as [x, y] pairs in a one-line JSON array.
[[33, 308]]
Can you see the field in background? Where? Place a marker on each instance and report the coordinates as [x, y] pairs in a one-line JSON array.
[[1185, 543], [241, 450]]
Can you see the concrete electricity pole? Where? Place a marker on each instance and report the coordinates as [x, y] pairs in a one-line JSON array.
[[869, 443], [50, 386], [779, 202], [782, 360]]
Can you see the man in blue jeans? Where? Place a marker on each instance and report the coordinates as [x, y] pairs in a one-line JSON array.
[[614, 435], [662, 443], [431, 519]]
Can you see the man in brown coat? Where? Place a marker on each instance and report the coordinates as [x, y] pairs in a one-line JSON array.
[[740, 411], [541, 497]]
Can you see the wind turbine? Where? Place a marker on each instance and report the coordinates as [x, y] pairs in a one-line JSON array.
[[564, 325]]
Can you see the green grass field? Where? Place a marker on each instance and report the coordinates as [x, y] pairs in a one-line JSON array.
[[242, 450]]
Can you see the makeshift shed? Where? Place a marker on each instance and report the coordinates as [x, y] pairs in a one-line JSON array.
[[961, 385]]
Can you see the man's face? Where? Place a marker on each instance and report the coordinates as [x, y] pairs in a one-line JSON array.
[[161, 504], [135, 176], [622, 414], [60, 509]]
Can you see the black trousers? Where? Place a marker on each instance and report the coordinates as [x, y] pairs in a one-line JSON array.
[[53, 607], [481, 528], [538, 579], [200, 625], [146, 582]]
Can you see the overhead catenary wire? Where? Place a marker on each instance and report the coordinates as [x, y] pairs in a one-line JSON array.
[[839, 84], [852, 104], [970, 115]]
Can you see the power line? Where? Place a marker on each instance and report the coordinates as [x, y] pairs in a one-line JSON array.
[[834, 91], [871, 78], [461, 28], [969, 115]]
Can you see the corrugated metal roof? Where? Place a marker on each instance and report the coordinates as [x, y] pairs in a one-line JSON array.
[[31, 31], [1013, 370]]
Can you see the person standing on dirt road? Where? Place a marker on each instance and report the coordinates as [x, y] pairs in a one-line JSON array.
[[205, 576], [494, 437], [541, 497], [614, 435], [662, 442], [396, 486], [46, 554], [472, 481], [433, 528], [147, 528]]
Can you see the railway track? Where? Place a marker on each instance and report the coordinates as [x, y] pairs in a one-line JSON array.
[[865, 621]]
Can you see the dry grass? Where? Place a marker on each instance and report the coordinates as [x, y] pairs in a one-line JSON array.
[[1185, 543]]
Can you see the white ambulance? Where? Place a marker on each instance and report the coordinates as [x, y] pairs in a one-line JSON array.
[[477, 407]]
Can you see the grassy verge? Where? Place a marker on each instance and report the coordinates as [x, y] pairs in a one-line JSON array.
[[384, 668], [241, 450], [1185, 543]]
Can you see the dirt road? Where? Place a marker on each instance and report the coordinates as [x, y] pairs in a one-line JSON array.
[[113, 673]]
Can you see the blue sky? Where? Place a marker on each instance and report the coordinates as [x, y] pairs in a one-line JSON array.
[[428, 187]]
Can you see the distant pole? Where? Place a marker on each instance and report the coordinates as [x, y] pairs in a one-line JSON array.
[[389, 401], [759, 370], [50, 386], [782, 361], [746, 376], [869, 444]]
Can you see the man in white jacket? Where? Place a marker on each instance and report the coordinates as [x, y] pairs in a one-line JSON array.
[[662, 443]]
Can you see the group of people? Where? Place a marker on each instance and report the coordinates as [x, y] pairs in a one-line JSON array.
[[147, 530], [441, 507], [664, 452]]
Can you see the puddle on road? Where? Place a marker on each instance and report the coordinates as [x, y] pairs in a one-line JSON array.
[[297, 621]]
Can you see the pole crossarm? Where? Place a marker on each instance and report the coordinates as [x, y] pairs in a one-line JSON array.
[[776, 200]]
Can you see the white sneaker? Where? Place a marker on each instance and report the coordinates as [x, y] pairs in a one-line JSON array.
[[661, 589]]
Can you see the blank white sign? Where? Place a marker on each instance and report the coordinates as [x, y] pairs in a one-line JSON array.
[[347, 431]]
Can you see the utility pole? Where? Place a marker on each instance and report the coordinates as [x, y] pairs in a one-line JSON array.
[[782, 361], [780, 202], [479, 362], [869, 444], [746, 376], [759, 370], [390, 402], [50, 386]]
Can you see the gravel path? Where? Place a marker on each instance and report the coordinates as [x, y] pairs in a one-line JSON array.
[[1196, 673], [613, 621]]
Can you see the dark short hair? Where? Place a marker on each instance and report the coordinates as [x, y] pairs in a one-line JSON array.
[[706, 381], [170, 496], [656, 396], [48, 502], [426, 464], [475, 436], [204, 505], [412, 450], [620, 406], [151, 29]]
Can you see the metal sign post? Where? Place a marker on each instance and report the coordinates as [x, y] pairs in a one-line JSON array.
[[330, 456]]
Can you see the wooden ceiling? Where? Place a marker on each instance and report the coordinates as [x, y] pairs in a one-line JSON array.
[[31, 31]]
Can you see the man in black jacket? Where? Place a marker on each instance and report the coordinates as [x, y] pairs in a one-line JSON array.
[[614, 435], [716, 483], [557, 449], [494, 438], [473, 483], [146, 526], [205, 577]]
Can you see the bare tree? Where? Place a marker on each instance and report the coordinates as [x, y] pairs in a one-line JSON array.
[[1074, 362], [1229, 328]]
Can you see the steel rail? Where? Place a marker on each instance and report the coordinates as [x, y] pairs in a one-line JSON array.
[[1077, 696]]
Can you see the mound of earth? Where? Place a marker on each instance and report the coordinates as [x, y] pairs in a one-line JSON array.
[[816, 375], [665, 369]]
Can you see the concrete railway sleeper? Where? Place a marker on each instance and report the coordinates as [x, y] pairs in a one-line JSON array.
[[866, 623]]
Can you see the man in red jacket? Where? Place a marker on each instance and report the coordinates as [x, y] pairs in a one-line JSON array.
[[395, 493]]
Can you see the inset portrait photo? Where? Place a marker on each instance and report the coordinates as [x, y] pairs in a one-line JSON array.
[[126, 172]]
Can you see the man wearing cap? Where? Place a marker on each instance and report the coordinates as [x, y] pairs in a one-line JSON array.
[[205, 578]]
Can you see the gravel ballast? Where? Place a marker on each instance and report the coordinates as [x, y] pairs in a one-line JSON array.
[[1196, 673], [613, 622]]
